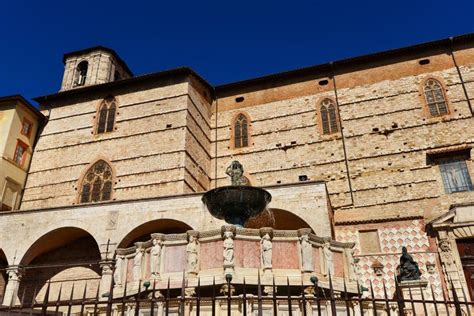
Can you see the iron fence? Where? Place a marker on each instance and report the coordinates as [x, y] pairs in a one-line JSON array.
[[259, 300]]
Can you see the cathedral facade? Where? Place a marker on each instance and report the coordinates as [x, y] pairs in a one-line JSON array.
[[373, 152]]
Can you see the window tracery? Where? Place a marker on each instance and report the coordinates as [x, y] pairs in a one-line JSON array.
[[241, 137], [328, 114], [97, 183], [435, 97], [106, 116]]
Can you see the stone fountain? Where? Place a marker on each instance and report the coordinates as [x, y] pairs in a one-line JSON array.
[[238, 202]]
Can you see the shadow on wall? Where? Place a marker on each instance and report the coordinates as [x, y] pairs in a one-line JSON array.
[[164, 226], [66, 257]]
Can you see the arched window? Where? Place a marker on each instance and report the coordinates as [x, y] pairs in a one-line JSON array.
[[241, 137], [106, 116], [117, 76], [328, 116], [81, 73], [435, 98], [97, 183]]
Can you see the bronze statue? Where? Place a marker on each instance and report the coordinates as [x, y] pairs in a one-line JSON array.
[[408, 268], [235, 171]]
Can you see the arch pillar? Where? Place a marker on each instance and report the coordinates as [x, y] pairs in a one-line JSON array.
[[107, 268], [15, 273]]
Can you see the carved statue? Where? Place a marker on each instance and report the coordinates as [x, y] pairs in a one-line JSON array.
[[192, 255], [266, 251], [228, 249], [137, 264], [118, 270], [329, 261], [408, 268], [306, 254], [235, 171], [155, 257]]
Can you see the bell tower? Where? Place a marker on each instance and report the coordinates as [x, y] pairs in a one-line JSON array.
[[92, 66]]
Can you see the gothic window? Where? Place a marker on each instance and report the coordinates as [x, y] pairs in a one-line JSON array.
[[435, 97], [97, 183], [20, 153], [106, 116], [241, 137], [81, 73], [328, 117]]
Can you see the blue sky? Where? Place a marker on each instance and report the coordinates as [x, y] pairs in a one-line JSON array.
[[224, 41]]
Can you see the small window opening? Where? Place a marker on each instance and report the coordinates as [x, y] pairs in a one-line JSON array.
[[117, 76], [81, 73], [303, 177], [169, 125], [424, 61], [323, 82], [239, 99]]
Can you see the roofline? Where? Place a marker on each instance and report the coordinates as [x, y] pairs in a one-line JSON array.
[[326, 68], [21, 99], [329, 67], [99, 47], [184, 71]]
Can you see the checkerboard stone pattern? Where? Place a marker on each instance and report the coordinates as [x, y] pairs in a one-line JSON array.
[[392, 237]]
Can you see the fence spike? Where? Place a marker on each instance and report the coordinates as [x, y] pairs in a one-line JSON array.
[[303, 298], [183, 294], [275, 312], [423, 301], [346, 298], [245, 298], [412, 303], [387, 306], [71, 297], [373, 298], [96, 300], [59, 298], [152, 307], [457, 304], [434, 299], [46, 298], [259, 294], [213, 295], [198, 299], [137, 298], [465, 301], [83, 299], [288, 293], [331, 295], [124, 297]]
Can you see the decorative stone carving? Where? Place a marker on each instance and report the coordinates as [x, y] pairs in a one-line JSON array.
[[306, 254], [352, 265], [447, 256], [235, 171], [228, 235], [328, 262], [266, 244], [408, 268], [118, 272], [430, 267], [192, 253], [137, 261], [190, 291], [155, 257], [378, 267]]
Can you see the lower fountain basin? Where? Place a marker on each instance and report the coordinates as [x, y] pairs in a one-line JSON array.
[[236, 204]]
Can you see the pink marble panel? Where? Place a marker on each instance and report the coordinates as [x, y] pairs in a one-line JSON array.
[[175, 258], [247, 253], [338, 264], [316, 260], [211, 255], [285, 255], [130, 269], [146, 265]]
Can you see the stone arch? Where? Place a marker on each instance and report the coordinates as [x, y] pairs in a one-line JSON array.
[[143, 231], [278, 219], [64, 257]]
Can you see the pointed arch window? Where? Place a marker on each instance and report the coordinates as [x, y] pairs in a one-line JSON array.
[[435, 97], [106, 116], [241, 128], [328, 114], [97, 183], [81, 73]]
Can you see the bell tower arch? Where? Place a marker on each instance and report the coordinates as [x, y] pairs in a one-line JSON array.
[[93, 66]]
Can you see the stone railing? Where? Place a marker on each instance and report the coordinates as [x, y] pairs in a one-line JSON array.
[[280, 255]]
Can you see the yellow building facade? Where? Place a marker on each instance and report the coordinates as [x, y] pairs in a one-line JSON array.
[[19, 124]]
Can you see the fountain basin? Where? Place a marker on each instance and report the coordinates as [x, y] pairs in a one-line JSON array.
[[236, 204]]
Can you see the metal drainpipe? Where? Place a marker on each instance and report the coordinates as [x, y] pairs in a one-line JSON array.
[[342, 133], [451, 42], [215, 138]]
